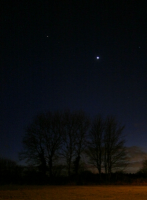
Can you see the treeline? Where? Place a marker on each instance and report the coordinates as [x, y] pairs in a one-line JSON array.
[[65, 147], [56, 142], [12, 173]]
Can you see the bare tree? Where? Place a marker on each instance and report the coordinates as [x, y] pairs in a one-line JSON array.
[[53, 139], [69, 138], [83, 123], [105, 146], [42, 141], [114, 149], [75, 129], [33, 144], [95, 143]]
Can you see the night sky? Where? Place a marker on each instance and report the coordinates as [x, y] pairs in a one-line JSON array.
[[48, 61]]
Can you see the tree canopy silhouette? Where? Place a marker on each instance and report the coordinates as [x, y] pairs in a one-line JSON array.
[[62, 137], [105, 146], [42, 141]]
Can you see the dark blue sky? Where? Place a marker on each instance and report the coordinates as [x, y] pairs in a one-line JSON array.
[[48, 62]]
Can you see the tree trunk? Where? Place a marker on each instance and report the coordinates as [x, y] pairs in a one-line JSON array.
[[50, 167]]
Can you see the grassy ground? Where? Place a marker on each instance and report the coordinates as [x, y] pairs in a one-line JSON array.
[[74, 192]]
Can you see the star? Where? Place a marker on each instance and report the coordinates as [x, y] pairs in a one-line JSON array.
[[97, 57]]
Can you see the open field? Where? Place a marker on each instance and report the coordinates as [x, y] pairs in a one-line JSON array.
[[74, 192]]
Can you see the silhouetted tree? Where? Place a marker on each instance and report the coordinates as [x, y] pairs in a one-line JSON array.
[[42, 141], [114, 149], [81, 135], [105, 146], [69, 138], [34, 143], [75, 129], [95, 143], [53, 139]]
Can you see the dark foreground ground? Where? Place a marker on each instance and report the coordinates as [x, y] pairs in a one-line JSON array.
[[73, 192]]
